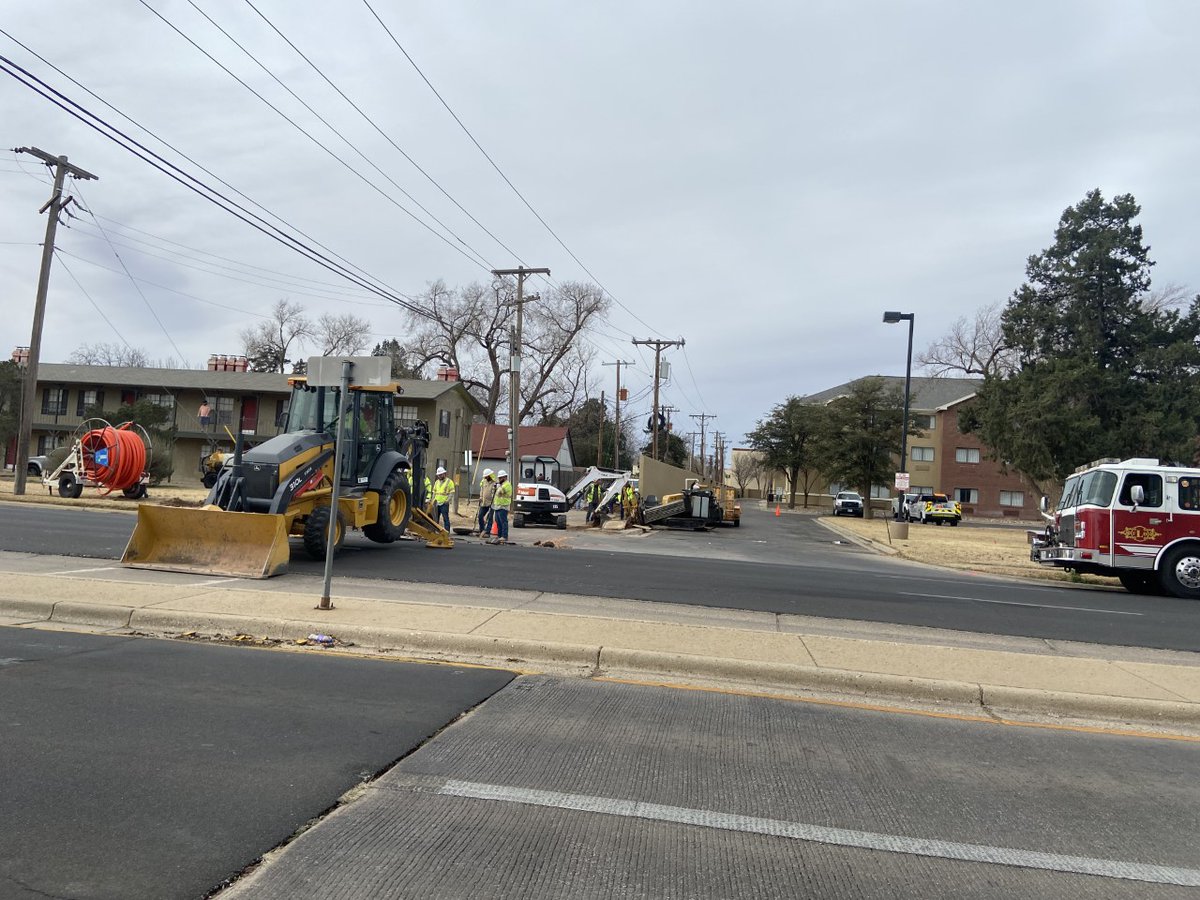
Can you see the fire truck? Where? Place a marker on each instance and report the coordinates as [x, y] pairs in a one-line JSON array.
[[1133, 519]]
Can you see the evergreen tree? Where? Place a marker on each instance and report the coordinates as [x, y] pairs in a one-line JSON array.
[[1099, 371], [788, 439], [861, 437]]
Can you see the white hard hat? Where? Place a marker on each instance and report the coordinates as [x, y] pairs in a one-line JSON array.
[[441, 471], [502, 474], [487, 472]]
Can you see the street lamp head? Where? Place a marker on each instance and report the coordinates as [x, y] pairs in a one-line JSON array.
[[891, 317]]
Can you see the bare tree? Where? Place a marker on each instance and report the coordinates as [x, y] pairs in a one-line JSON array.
[[971, 347], [344, 335], [747, 467], [469, 329], [1169, 296], [269, 342], [103, 354]]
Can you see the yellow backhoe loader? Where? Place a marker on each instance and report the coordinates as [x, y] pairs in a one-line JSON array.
[[283, 488]]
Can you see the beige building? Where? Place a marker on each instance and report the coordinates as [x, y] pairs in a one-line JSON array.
[[256, 402]]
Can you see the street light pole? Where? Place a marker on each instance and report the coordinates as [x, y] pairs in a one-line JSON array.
[[891, 318]]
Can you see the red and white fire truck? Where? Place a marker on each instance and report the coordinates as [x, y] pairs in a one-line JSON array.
[[1134, 519]]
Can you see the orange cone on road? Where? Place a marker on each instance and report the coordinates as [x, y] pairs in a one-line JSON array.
[[495, 528], [777, 512]]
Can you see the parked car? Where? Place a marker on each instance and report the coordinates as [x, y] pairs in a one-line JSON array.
[[848, 503], [936, 508], [37, 466], [900, 506]]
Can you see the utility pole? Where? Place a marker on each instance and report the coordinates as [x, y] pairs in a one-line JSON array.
[[658, 345], [617, 412], [719, 468], [600, 436], [514, 371], [55, 205], [703, 419]]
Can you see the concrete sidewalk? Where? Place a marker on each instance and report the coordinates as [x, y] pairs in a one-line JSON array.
[[1000, 677]]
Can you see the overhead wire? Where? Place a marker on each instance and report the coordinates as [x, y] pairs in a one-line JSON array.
[[370, 121], [495, 166], [479, 262], [268, 225], [200, 188], [136, 286]]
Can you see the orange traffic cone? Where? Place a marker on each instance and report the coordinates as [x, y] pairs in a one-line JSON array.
[[777, 512], [495, 528]]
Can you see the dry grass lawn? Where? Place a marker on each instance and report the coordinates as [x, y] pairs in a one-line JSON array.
[[991, 551]]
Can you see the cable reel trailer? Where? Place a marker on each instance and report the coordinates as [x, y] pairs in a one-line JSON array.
[[112, 458]]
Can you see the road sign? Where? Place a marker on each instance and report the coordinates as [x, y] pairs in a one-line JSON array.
[[902, 481]]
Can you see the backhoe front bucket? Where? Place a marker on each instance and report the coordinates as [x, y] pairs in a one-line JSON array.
[[208, 541]]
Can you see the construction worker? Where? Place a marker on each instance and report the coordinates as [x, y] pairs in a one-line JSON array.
[[594, 493], [628, 501], [443, 492], [501, 502], [487, 491], [428, 489]]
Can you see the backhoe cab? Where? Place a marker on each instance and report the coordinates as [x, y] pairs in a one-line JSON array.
[[283, 488]]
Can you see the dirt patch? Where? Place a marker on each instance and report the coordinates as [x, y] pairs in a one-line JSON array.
[[95, 498], [992, 551]]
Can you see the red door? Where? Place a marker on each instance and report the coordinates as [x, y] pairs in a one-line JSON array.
[[250, 414]]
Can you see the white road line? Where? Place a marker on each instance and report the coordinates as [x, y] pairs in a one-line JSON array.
[[820, 834], [206, 583], [1111, 612], [81, 571]]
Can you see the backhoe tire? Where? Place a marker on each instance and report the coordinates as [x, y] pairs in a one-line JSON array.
[[69, 486], [518, 520], [316, 532], [560, 522], [395, 510], [209, 480]]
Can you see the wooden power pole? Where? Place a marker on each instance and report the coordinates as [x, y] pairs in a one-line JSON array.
[[514, 370], [703, 419], [658, 345], [55, 205], [616, 412]]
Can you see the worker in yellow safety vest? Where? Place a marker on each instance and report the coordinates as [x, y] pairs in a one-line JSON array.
[[443, 491], [628, 500], [428, 488], [501, 503]]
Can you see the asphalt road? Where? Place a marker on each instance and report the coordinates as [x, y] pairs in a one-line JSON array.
[[136, 768], [587, 789], [787, 564]]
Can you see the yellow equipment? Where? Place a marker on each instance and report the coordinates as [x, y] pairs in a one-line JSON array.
[[283, 488]]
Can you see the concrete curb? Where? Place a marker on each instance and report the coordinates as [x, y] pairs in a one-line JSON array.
[[865, 543], [591, 660]]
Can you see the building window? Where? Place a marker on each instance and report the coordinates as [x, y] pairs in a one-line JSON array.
[[921, 489], [967, 455], [880, 492], [48, 442], [54, 401], [924, 422], [406, 414], [966, 495], [166, 401], [444, 423], [224, 410], [87, 400], [922, 454], [1012, 498]]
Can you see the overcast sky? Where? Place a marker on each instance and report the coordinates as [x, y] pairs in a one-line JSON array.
[[761, 179]]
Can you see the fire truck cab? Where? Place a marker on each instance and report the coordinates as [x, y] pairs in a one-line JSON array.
[[1133, 519]]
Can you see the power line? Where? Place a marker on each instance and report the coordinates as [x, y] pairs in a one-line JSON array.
[[170, 147], [312, 138], [381, 132], [203, 190], [499, 171]]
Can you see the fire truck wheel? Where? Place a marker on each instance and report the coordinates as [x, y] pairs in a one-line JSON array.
[[1180, 572]]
